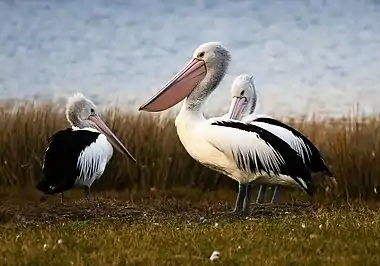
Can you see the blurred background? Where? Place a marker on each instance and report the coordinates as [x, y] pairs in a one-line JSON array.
[[307, 56]]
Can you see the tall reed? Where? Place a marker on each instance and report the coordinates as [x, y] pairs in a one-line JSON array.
[[350, 145]]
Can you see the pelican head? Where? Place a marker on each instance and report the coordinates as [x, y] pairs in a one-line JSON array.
[[82, 113], [244, 97], [199, 77]]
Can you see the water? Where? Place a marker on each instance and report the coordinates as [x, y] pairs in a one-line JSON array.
[[318, 56]]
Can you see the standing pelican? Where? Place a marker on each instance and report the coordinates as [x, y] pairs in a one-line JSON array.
[[242, 151], [77, 156], [244, 88], [242, 107]]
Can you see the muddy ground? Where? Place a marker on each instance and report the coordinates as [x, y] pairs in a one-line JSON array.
[[21, 208]]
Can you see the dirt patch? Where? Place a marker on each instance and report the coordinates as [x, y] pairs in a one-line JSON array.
[[161, 208]]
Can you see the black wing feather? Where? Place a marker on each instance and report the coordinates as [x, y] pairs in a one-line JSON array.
[[293, 165], [315, 161], [60, 159]]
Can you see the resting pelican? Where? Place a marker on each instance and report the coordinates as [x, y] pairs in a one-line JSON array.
[[243, 105], [242, 151], [77, 156]]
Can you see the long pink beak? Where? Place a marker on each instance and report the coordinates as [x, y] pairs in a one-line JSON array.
[[110, 136], [236, 108], [177, 88]]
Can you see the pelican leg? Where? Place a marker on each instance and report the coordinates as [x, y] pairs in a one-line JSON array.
[[247, 198], [260, 194], [61, 197], [87, 193], [240, 198], [274, 197]]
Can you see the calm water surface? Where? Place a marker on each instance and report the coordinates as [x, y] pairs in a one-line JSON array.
[[307, 56]]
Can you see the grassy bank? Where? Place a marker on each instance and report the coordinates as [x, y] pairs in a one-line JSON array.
[[350, 145], [184, 229]]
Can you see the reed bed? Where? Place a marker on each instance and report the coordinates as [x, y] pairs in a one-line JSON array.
[[350, 145]]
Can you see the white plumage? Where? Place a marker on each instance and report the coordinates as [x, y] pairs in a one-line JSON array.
[[294, 141], [242, 151], [221, 147], [77, 156], [242, 107], [93, 159]]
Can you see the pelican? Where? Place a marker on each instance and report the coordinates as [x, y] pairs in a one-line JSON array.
[[242, 151], [77, 156], [242, 107]]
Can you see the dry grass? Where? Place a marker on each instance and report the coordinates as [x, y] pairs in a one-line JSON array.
[[351, 146]]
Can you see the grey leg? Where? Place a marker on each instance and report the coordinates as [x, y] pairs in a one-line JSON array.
[[240, 198], [260, 194], [247, 198], [61, 197], [87, 192], [274, 197]]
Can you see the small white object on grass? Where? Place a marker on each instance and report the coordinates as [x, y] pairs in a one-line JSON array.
[[215, 255], [312, 236], [60, 241]]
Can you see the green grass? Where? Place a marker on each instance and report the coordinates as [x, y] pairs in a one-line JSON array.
[[184, 228]]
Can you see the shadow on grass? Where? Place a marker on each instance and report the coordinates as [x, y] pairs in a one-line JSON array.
[[28, 206]]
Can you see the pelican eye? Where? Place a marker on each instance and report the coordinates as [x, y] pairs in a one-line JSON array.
[[92, 111], [242, 93], [201, 55]]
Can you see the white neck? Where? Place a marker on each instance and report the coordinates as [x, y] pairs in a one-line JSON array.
[[194, 103], [188, 113], [251, 105]]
